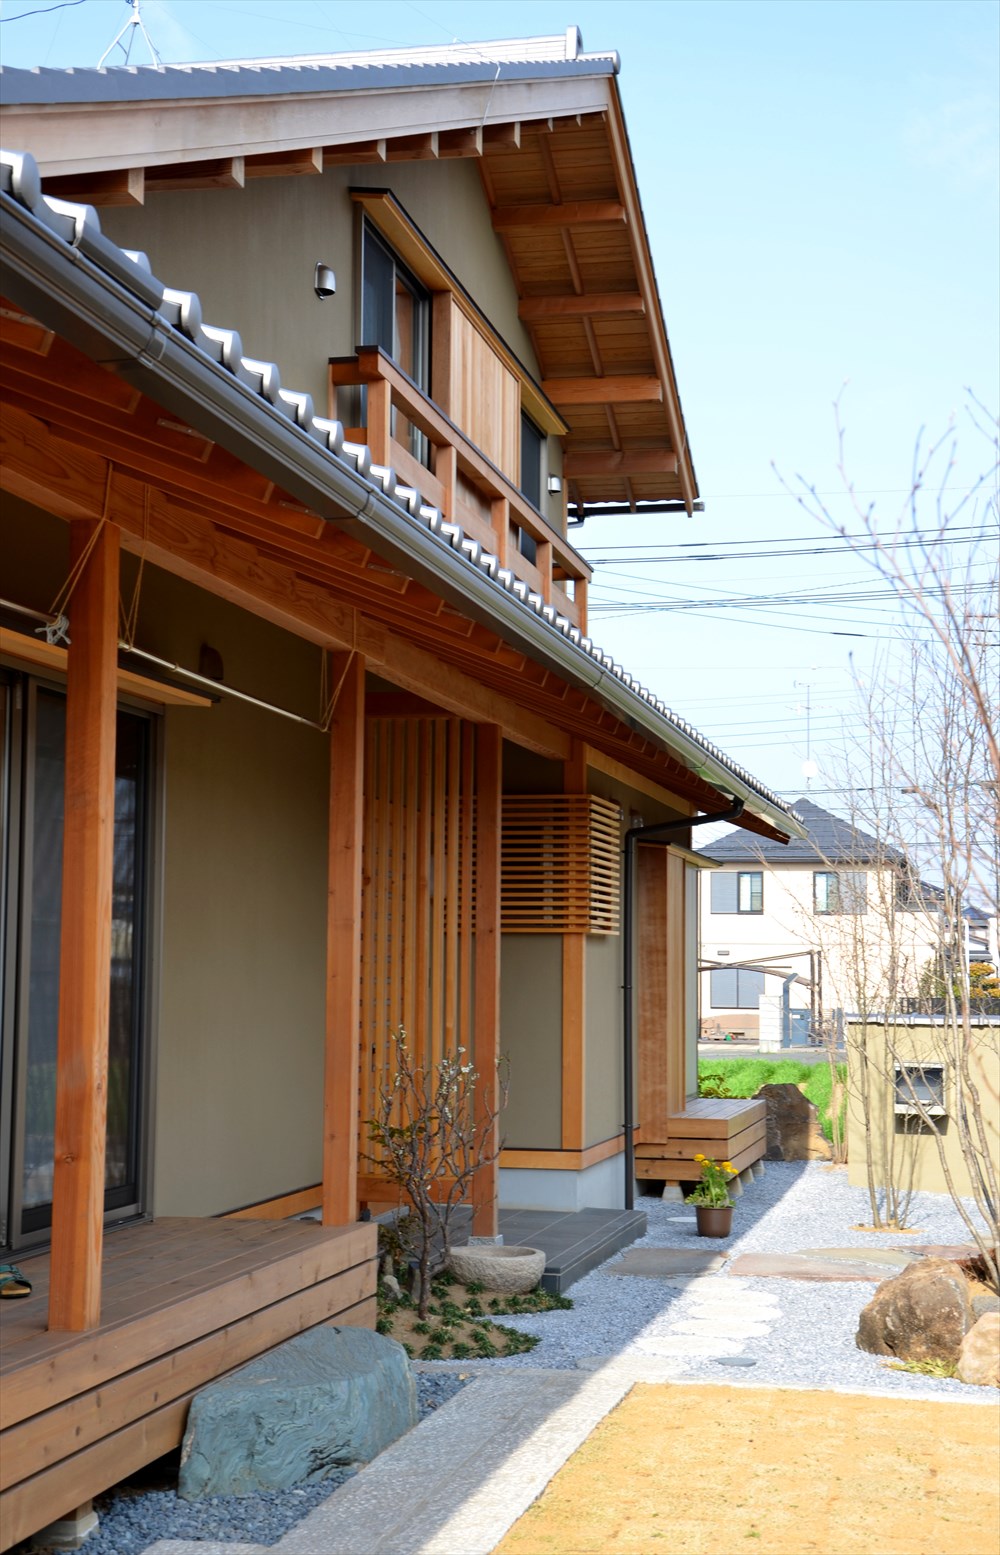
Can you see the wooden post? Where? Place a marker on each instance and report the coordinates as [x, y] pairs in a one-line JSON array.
[[489, 784], [343, 945], [574, 993], [85, 935]]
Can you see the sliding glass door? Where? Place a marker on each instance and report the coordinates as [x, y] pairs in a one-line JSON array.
[[33, 726]]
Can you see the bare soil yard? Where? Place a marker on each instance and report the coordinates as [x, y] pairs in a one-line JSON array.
[[689, 1469]]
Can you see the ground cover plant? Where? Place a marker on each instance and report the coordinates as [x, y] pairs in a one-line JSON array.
[[461, 1321], [745, 1076]]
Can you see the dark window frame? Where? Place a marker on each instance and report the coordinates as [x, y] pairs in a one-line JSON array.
[[720, 894], [845, 894]]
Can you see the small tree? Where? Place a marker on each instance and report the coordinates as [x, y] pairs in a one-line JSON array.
[[931, 709], [433, 1132]]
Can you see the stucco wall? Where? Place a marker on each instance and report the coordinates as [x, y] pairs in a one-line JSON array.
[[531, 1037], [240, 1050], [250, 254], [927, 1044]]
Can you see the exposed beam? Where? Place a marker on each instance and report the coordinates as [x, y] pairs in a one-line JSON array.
[[123, 186], [216, 173], [502, 137], [85, 932], [461, 143], [629, 389], [412, 148], [587, 305], [352, 152], [278, 164], [627, 462], [571, 214], [343, 944]]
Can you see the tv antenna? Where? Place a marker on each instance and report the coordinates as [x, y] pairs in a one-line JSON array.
[[133, 21]]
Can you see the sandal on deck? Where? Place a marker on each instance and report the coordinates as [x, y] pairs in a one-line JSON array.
[[13, 1282]]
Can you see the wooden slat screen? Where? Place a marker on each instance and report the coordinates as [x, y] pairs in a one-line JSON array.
[[560, 864], [417, 896]]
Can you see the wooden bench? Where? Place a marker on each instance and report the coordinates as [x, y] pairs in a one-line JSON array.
[[725, 1128]]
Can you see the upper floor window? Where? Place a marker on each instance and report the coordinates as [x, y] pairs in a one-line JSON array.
[[735, 891], [840, 891], [532, 443], [395, 308]]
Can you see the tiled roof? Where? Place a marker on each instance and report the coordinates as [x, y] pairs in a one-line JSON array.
[[829, 840], [78, 228], [523, 59]]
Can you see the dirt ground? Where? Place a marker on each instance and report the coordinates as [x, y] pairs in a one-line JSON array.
[[720, 1470]]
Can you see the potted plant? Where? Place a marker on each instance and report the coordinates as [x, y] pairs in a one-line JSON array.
[[713, 1206]]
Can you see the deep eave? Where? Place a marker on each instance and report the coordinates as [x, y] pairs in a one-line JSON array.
[[60, 268]]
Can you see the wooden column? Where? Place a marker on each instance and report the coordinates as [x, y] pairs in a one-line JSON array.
[[574, 993], [343, 945], [489, 774], [85, 943]]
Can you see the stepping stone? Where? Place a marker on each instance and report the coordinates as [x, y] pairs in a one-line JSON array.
[[887, 1256], [799, 1266], [663, 1263], [734, 1360], [938, 1249], [727, 1329], [687, 1344]]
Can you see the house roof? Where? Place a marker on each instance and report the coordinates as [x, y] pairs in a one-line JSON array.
[[60, 266], [523, 59], [828, 840], [543, 122]]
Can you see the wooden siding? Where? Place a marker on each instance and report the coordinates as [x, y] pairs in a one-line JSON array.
[[183, 1302], [485, 399]]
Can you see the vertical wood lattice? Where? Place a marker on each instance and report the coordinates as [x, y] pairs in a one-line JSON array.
[[417, 968]]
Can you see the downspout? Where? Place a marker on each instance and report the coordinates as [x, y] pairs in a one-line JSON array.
[[659, 833]]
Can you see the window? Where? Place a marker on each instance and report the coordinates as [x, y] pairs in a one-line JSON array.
[[395, 315], [921, 1084], [736, 891], [735, 988], [532, 443], [840, 891]]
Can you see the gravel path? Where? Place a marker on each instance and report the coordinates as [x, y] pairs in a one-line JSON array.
[[131, 1520], [797, 1333]]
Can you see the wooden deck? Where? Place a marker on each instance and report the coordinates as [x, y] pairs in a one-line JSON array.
[[184, 1301], [724, 1128]]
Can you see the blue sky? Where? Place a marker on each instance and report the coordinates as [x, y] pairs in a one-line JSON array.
[[820, 183]]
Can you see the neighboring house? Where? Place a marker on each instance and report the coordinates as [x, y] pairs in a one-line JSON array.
[[832, 922], [305, 736]]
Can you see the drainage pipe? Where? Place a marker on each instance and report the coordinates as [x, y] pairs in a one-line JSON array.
[[659, 833]]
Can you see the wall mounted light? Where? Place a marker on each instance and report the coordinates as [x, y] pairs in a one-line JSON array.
[[324, 281], [553, 484]]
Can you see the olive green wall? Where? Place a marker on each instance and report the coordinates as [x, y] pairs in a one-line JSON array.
[[603, 1092], [250, 253], [241, 873], [691, 974], [241, 1030], [531, 1038]]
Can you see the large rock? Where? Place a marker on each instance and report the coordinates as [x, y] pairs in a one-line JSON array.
[[793, 1131], [922, 1314], [328, 1397], [979, 1357]]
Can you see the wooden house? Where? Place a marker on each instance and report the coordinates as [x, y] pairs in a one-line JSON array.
[[305, 737]]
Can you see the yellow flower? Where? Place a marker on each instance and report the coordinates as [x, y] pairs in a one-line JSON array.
[[727, 1166], [700, 1157]]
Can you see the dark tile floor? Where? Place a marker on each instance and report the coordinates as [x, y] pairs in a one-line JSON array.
[[574, 1241]]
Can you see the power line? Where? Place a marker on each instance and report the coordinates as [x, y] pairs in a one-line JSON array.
[[847, 547], [43, 11]]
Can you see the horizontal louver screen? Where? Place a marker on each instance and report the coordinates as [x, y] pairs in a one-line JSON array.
[[560, 864]]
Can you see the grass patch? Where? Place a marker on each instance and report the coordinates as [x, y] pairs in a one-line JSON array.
[[462, 1325], [924, 1368], [745, 1076]]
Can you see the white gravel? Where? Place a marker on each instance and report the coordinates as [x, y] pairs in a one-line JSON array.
[[797, 1333]]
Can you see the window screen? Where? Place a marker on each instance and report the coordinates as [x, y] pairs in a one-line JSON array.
[[736, 891], [840, 891]]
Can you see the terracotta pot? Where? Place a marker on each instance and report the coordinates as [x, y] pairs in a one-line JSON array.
[[714, 1220]]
